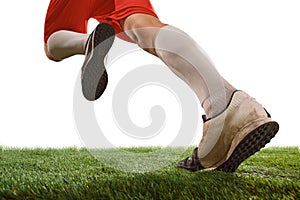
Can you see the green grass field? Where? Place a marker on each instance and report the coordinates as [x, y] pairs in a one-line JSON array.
[[273, 173]]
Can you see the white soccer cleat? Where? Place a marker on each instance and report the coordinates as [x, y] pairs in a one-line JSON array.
[[231, 137]]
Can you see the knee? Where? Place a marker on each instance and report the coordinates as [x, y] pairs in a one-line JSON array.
[[53, 46], [142, 28], [48, 53], [173, 40]]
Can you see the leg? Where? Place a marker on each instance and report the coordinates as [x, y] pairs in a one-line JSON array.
[[65, 33], [235, 126], [162, 40], [95, 46], [142, 28], [63, 44]]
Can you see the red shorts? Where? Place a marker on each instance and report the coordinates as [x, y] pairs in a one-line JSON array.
[[73, 15]]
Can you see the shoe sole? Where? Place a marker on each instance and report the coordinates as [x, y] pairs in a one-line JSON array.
[[94, 77], [252, 143]]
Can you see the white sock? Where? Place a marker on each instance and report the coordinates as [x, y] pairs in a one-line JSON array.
[[63, 44], [185, 58]]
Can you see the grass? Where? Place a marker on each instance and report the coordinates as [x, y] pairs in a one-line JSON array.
[[273, 173]]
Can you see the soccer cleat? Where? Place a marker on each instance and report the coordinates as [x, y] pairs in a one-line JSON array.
[[233, 136], [94, 77]]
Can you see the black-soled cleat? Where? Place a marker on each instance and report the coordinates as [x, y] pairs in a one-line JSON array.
[[251, 144], [94, 77]]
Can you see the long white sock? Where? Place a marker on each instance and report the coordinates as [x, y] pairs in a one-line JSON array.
[[63, 44], [185, 58]]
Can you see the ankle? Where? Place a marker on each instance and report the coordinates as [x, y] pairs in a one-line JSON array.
[[217, 103]]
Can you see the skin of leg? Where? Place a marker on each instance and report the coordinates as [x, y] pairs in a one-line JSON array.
[[48, 54], [63, 44], [134, 25]]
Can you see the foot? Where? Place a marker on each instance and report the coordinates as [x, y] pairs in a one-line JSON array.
[[233, 136], [94, 76]]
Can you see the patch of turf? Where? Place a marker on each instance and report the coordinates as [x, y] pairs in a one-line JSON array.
[[72, 173]]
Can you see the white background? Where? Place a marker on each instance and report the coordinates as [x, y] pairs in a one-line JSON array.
[[254, 44]]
